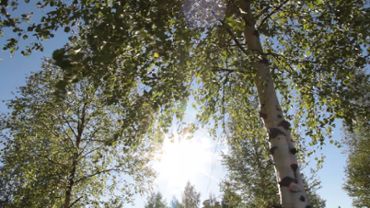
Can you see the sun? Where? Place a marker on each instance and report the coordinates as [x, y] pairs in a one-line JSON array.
[[182, 160]]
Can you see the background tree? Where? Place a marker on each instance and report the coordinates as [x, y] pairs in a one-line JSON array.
[[175, 203], [230, 198], [357, 141], [156, 201], [71, 153], [310, 52], [190, 197], [358, 181], [211, 202]]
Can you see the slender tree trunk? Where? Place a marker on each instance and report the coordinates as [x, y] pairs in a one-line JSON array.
[[291, 188], [68, 194], [72, 174]]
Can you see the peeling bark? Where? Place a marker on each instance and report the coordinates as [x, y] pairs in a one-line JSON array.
[[291, 188]]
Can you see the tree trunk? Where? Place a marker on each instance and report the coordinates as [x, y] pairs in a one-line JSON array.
[[291, 188], [71, 177], [68, 195]]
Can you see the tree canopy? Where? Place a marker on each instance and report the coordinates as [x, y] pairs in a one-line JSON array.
[[316, 50], [313, 53]]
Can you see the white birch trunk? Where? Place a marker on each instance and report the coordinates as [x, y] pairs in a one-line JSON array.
[[291, 188]]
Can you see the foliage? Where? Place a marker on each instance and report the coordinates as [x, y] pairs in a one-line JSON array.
[[315, 49], [297, 39], [250, 169], [191, 198], [211, 202], [156, 201], [358, 181], [231, 199], [72, 152]]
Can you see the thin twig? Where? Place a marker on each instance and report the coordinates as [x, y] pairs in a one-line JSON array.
[[75, 201], [83, 154], [219, 69], [96, 173], [272, 12], [277, 56], [69, 125]]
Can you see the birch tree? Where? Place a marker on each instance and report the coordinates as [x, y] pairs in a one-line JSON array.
[[305, 55]]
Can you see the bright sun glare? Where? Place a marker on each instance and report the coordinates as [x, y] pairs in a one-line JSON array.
[[183, 160]]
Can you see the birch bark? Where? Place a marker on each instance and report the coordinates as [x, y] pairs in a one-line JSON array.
[[282, 149]]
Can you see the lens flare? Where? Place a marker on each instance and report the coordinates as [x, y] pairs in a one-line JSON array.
[[203, 13]]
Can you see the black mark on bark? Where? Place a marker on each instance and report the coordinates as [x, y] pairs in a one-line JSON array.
[[274, 132], [263, 115], [285, 124], [294, 167], [287, 181], [272, 149], [264, 60], [293, 151]]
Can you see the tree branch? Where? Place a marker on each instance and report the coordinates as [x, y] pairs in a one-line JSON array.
[[228, 29], [69, 125], [276, 9], [75, 201], [220, 69], [83, 154], [96, 173], [277, 56]]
